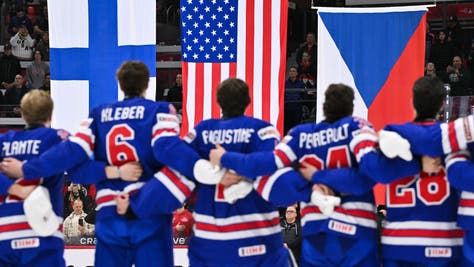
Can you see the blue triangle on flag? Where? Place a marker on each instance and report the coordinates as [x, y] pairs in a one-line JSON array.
[[370, 44]]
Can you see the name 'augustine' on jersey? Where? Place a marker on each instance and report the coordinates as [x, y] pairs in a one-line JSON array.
[[227, 136], [122, 113], [323, 137]]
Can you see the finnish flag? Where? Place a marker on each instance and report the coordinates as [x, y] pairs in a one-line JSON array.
[[89, 39]]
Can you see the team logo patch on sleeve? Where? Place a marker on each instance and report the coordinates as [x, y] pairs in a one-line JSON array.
[[63, 134], [268, 132], [363, 122], [189, 138], [467, 129]]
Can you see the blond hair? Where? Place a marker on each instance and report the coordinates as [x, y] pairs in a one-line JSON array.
[[36, 107]]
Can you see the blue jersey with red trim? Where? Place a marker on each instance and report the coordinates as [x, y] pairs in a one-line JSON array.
[[26, 145], [437, 139], [135, 129], [248, 229], [325, 146], [422, 209]]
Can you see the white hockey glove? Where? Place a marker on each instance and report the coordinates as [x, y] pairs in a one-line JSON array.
[[237, 191], [325, 203], [205, 173], [392, 145]]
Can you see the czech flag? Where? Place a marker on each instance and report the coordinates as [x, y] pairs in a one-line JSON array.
[[380, 53], [377, 51]]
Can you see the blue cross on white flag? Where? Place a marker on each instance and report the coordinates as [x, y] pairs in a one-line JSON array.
[[89, 40]]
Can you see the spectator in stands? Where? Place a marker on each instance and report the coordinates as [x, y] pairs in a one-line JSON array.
[[41, 24], [175, 93], [43, 46], [430, 40], [430, 69], [75, 225], [75, 192], [310, 47], [47, 83], [13, 95], [22, 44], [307, 70], [182, 224], [459, 78], [442, 53], [294, 94], [35, 73], [455, 33], [291, 230], [19, 20], [9, 67]]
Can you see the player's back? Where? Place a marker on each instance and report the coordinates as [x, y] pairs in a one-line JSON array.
[[250, 226], [327, 146], [25, 145], [325, 143], [123, 133]]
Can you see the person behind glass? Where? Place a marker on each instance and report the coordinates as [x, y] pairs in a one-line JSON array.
[[458, 77], [13, 95], [75, 226], [47, 83], [9, 66], [293, 97], [175, 93], [442, 53], [36, 72], [310, 47], [430, 70], [41, 26], [43, 46], [76, 192], [307, 70], [291, 230], [19, 20], [455, 33], [22, 44], [182, 224]]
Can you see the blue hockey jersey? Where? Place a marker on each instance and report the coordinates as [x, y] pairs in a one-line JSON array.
[[437, 139], [325, 146], [14, 228], [421, 209], [118, 133], [248, 229]]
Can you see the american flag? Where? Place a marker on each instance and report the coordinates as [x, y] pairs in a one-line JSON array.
[[233, 38]]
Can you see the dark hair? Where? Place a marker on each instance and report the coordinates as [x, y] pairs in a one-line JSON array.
[[338, 103], [233, 97], [133, 78], [39, 51], [428, 97]]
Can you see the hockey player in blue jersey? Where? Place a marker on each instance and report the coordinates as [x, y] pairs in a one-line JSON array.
[[24, 242], [243, 231], [455, 139], [132, 130], [347, 236], [420, 225]]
